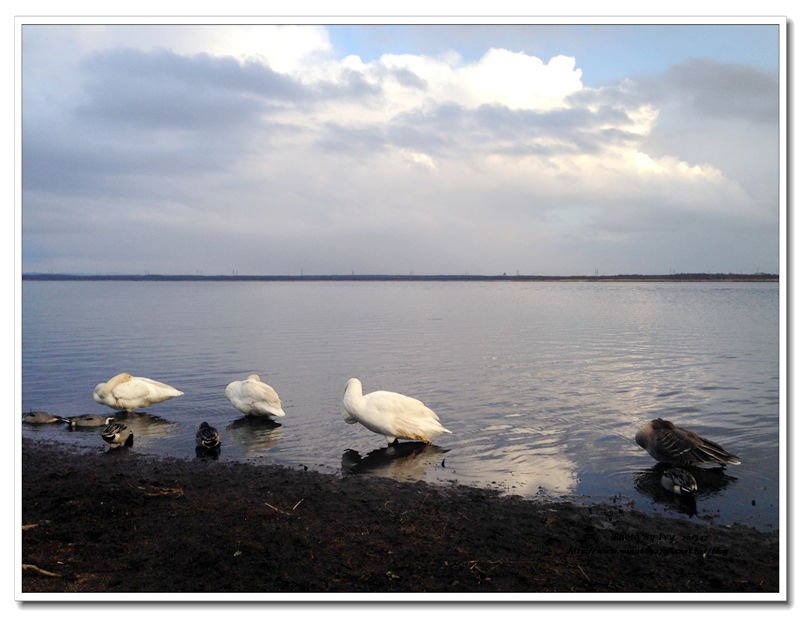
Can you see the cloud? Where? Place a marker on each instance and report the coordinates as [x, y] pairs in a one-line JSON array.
[[198, 137]]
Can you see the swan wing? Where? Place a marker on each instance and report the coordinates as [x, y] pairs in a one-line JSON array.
[[259, 392], [404, 416], [133, 393]]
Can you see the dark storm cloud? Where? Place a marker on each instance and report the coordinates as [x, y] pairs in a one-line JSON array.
[[727, 90], [162, 88], [716, 89]]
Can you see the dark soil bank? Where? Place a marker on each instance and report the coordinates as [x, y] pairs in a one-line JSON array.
[[122, 522]]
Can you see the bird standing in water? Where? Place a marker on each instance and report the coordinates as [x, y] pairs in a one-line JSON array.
[[672, 444], [395, 416], [207, 437], [125, 392]]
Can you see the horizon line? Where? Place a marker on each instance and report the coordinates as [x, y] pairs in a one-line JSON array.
[[700, 276]]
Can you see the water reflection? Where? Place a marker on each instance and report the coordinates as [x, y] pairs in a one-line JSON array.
[[254, 435], [143, 424], [403, 461], [709, 482], [207, 454]]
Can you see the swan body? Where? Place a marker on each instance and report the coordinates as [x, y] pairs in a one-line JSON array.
[[117, 434], [88, 420], [207, 437], [40, 417], [128, 393], [672, 444], [254, 398], [393, 415], [679, 481]]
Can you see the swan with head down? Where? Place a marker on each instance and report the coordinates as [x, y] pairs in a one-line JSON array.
[[395, 416], [253, 397], [128, 393]]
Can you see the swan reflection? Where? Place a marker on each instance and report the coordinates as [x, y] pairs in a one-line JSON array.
[[403, 461], [143, 424], [254, 435], [709, 482]]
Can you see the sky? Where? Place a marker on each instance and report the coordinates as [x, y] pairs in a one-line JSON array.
[[397, 149]]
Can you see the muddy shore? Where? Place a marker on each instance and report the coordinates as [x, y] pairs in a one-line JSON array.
[[124, 522]]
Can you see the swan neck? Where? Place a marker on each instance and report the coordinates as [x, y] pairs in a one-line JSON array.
[[353, 396]]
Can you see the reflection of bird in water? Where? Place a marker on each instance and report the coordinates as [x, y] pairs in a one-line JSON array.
[[41, 417], [395, 416], [672, 444], [145, 424], [255, 435], [679, 481], [87, 420], [125, 392], [254, 398], [402, 461], [709, 482], [117, 434]]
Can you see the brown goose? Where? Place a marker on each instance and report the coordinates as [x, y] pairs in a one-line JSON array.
[[672, 444]]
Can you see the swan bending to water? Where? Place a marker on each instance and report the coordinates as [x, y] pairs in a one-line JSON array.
[[128, 393], [672, 444], [393, 415], [254, 398]]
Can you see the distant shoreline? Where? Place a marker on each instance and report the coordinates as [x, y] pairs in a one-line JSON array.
[[522, 278]]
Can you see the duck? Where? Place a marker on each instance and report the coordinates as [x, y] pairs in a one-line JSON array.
[[253, 397], [117, 434], [127, 393], [395, 416], [679, 481], [207, 437], [672, 444], [40, 417], [88, 420]]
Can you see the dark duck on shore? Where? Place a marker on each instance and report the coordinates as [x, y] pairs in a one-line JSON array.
[[207, 437], [672, 444], [117, 434]]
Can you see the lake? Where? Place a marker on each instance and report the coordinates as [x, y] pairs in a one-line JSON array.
[[543, 384]]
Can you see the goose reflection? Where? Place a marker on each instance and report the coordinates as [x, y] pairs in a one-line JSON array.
[[254, 435], [143, 424], [402, 461], [709, 482]]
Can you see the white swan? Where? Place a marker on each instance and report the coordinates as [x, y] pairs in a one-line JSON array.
[[128, 393], [390, 414], [254, 398]]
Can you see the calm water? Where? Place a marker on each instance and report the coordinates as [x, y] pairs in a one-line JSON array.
[[542, 384]]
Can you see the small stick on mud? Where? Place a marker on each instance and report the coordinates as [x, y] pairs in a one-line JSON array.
[[29, 567], [294, 507], [269, 505]]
